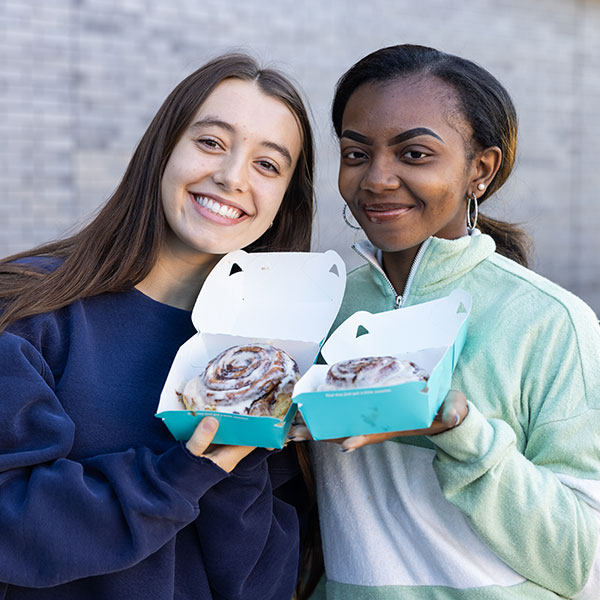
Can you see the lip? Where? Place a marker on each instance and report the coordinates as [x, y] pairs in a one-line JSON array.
[[212, 216], [381, 212]]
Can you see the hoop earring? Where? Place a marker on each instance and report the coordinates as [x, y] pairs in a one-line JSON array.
[[346, 219], [473, 224]]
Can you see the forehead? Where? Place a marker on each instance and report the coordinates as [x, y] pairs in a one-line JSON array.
[[390, 107], [249, 110]]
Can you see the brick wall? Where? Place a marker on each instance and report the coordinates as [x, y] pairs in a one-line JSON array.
[[80, 80]]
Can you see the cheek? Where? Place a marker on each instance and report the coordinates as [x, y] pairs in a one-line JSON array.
[[274, 204], [171, 174], [440, 191], [271, 197], [346, 182], [168, 189], [184, 165], [449, 207]]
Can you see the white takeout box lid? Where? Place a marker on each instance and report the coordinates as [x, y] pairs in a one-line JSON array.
[[282, 295], [433, 324]]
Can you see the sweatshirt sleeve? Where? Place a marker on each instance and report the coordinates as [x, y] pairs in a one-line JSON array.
[[63, 520], [536, 503], [249, 536]]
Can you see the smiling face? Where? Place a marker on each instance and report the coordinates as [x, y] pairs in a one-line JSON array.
[[228, 173], [404, 171]]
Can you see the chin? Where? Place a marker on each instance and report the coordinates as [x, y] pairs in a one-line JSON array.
[[218, 244], [388, 244]]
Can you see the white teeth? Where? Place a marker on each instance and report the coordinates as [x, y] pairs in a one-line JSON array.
[[218, 208]]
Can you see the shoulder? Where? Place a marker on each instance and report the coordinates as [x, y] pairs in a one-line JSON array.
[[44, 332], [535, 294], [528, 316], [36, 264]]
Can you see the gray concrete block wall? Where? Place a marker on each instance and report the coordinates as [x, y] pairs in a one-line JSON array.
[[81, 79]]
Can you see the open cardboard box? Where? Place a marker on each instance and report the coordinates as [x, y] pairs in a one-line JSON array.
[[288, 299], [431, 334]]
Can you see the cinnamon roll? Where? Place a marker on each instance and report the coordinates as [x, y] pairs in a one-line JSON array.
[[372, 371], [256, 379]]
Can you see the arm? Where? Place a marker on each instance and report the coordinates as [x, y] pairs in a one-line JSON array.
[[63, 520], [535, 502], [249, 536]]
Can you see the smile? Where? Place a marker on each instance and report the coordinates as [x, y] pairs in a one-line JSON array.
[[385, 212], [218, 208]]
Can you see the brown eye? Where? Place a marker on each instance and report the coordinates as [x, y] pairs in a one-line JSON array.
[[209, 143], [355, 155], [269, 166], [415, 154]]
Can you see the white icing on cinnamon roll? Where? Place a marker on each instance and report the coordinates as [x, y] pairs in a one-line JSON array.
[[372, 371], [256, 379]]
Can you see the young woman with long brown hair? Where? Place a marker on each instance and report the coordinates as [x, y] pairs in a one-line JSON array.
[[96, 499], [500, 497]]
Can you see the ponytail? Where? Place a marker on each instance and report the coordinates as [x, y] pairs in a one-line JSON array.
[[511, 240]]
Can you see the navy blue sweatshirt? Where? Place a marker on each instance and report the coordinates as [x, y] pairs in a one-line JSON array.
[[97, 500]]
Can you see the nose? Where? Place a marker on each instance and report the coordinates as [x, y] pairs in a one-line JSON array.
[[232, 173], [380, 176]]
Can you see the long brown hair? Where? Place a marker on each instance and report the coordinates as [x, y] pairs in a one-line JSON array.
[[312, 564], [483, 101], [119, 247]]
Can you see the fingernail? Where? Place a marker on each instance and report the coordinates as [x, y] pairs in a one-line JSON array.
[[209, 424], [291, 438], [346, 450]]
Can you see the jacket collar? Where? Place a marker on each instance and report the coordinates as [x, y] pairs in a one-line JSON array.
[[441, 262]]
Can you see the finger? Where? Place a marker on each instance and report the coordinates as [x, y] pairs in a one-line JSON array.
[[298, 419], [299, 433], [358, 441], [352, 443], [202, 436], [454, 409]]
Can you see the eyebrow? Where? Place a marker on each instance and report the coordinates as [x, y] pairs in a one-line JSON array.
[[211, 121], [397, 139], [279, 148]]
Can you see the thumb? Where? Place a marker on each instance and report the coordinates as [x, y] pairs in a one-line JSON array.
[[454, 409], [202, 436]]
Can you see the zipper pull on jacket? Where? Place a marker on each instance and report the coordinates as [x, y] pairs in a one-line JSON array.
[[371, 258]]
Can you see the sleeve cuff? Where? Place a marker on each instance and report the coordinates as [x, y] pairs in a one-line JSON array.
[[248, 464], [192, 475], [469, 441]]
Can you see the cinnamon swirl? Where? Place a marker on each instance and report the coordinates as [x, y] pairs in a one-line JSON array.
[[256, 379], [372, 371]]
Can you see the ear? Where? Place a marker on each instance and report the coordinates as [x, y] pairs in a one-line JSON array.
[[485, 166]]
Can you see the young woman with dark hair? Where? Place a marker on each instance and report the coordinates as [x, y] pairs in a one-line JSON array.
[[96, 498], [500, 497]]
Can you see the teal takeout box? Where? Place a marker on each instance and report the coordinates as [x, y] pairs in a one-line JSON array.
[[288, 299], [431, 334]]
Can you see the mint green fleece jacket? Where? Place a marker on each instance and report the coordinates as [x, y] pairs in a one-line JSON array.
[[506, 505]]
